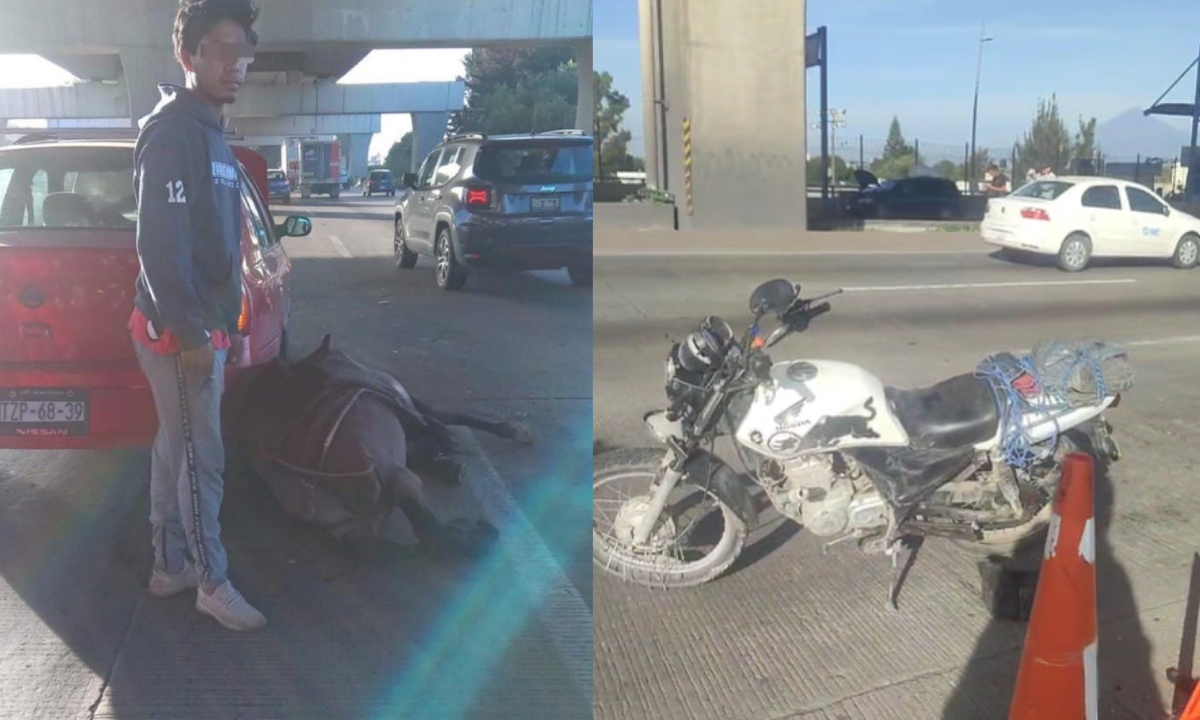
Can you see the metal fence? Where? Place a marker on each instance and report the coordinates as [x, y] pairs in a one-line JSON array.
[[859, 151]]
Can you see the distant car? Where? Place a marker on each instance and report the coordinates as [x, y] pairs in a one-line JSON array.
[[921, 197], [280, 186], [68, 263], [380, 181], [521, 202], [1077, 218]]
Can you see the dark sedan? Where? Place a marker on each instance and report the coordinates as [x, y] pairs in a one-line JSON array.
[[922, 197]]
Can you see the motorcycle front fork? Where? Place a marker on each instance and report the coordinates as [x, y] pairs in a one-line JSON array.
[[672, 473]]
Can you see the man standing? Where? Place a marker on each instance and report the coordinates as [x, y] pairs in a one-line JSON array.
[[997, 182], [189, 296]]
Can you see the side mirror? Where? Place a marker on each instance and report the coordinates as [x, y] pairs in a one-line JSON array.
[[294, 226], [409, 180], [773, 296]]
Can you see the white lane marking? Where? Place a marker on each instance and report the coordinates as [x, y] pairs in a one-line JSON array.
[[1177, 340], [684, 252], [341, 246], [983, 285], [562, 610]]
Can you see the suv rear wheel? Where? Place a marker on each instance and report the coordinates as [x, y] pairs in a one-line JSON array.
[[405, 258], [450, 275], [581, 275]]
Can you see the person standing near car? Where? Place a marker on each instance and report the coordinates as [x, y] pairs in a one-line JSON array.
[[997, 182], [189, 296]]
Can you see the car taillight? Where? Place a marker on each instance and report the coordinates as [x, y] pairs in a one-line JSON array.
[[244, 318], [479, 197], [1034, 214]]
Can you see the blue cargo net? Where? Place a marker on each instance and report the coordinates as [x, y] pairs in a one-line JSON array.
[[1053, 379]]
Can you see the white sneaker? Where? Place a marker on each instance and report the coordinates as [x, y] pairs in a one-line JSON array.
[[227, 606], [164, 584]]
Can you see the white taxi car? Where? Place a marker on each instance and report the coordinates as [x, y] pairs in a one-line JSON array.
[[1080, 218]]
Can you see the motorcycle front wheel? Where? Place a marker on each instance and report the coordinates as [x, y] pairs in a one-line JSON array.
[[693, 514]]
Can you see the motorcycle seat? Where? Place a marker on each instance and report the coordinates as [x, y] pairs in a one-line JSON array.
[[954, 413]]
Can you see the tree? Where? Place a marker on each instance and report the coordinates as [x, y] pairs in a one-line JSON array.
[[607, 113], [1047, 142], [1085, 140], [610, 149], [982, 160], [518, 90], [399, 157], [842, 172], [949, 170], [890, 168], [896, 147]]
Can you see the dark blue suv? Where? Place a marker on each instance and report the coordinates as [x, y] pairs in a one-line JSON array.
[[278, 186], [520, 202], [380, 181]]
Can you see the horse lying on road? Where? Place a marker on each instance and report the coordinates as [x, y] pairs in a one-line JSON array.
[[341, 445]]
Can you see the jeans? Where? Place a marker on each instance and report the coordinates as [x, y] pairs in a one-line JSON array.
[[186, 487]]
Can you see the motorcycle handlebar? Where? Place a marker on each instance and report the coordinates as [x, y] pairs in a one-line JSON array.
[[819, 310]]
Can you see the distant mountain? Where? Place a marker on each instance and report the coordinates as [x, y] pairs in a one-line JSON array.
[[1131, 134]]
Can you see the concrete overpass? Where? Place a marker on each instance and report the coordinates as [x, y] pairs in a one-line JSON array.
[[267, 106], [738, 78], [122, 50]]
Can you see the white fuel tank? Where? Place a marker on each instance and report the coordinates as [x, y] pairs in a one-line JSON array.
[[816, 406]]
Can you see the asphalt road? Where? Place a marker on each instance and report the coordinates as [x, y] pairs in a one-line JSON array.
[[794, 634], [412, 636]]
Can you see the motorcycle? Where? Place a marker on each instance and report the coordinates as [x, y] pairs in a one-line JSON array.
[[975, 458]]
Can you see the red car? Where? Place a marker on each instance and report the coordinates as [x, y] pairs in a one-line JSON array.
[[68, 374]]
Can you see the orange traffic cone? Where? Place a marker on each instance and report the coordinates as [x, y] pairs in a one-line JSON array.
[[1192, 710], [1057, 677]]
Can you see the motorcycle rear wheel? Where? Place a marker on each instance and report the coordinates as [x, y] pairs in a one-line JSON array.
[[656, 567], [1030, 535]]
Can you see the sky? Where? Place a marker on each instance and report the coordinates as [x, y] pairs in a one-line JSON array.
[[380, 66], [916, 60]]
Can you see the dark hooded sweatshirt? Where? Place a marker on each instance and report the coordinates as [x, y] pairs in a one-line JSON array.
[[189, 220]]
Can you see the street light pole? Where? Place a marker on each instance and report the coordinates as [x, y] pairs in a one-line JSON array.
[[837, 119], [834, 119], [975, 107]]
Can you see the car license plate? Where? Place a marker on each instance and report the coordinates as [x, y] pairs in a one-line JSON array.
[[45, 412], [544, 204]]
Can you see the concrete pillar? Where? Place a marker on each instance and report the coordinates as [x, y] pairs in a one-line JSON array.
[[651, 131], [428, 130], [675, 90], [144, 68], [748, 166], [585, 110], [358, 150]]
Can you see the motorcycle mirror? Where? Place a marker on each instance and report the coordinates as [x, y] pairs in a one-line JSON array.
[[773, 296]]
